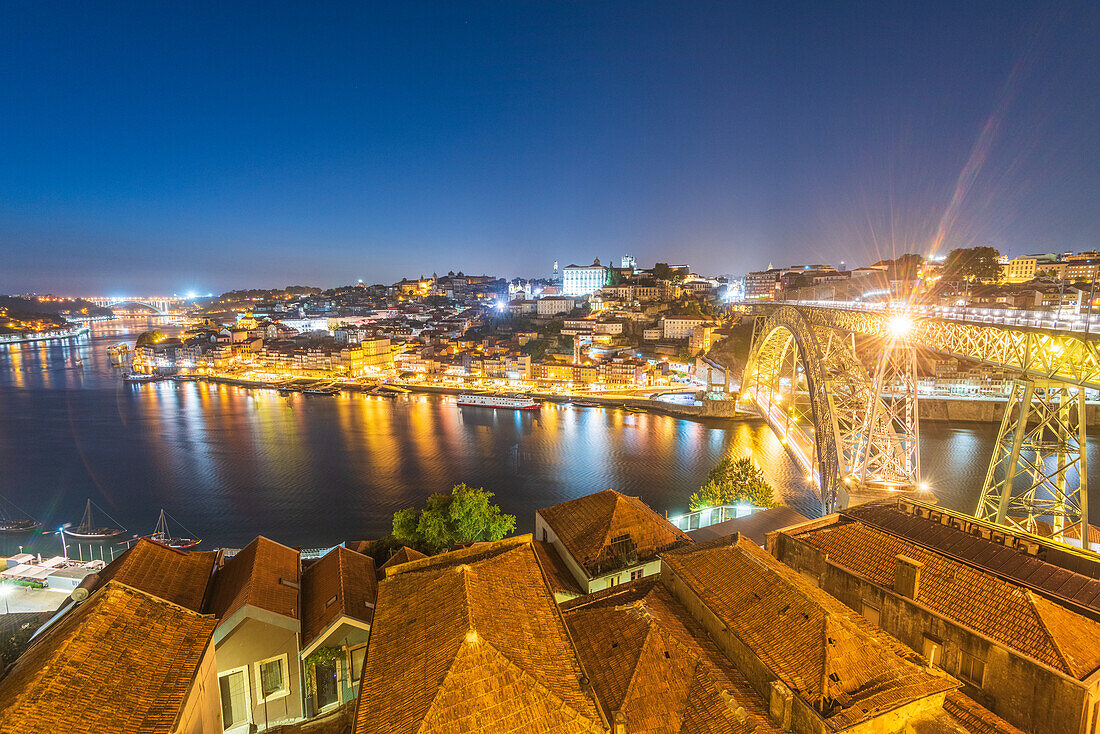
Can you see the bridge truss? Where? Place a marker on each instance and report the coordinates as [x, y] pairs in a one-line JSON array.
[[830, 412], [1038, 473]]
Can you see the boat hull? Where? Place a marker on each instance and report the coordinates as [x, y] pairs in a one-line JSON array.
[[494, 401], [94, 535]]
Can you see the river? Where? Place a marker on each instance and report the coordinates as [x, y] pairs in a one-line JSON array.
[[229, 463]]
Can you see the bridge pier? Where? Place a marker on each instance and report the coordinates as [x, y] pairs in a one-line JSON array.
[[1040, 447]]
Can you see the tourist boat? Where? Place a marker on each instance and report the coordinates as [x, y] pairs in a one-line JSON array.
[[584, 404], [139, 377], [631, 409], [321, 391], [88, 530], [11, 523], [516, 401], [161, 535]]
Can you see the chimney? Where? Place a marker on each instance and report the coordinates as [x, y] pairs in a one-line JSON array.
[[907, 576]]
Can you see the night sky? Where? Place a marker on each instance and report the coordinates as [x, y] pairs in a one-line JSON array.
[[175, 146]]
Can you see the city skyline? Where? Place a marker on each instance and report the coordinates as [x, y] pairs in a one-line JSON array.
[[154, 150]]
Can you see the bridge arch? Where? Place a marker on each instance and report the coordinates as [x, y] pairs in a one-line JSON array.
[[156, 309], [785, 377]]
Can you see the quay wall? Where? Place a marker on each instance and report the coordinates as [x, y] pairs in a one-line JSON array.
[[980, 411]]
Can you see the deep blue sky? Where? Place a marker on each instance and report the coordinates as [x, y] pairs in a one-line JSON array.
[[172, 146]]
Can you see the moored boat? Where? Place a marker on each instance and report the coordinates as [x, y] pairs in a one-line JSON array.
[[162, 535], [515, 401], [16, 521], [88, 530], [139, 377]]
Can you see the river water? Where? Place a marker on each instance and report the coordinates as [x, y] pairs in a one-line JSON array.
[[229, 463]]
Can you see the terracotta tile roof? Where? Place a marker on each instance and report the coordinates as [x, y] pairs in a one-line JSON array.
[[173, 575], [587, 526], [1015, 616], [975, 718], [472, 641], [652, 664], [404, 554], [255, 576], [121, 662], [558, 577], [1066, 575], [823, 651], [343, 583]]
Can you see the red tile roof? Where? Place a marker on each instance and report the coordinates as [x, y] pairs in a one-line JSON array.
[[343, 583], [1015, 616], [122, 662], [651, 662], [589, 527], [174, 575], [404, 554], [258, 575], [823, 651], [558, 577], [472, 641]]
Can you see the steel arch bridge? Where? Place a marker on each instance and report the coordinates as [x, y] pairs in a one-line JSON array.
[[161, 305], [805, 376]]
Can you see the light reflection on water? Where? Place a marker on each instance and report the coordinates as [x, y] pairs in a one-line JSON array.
[[230, 463]]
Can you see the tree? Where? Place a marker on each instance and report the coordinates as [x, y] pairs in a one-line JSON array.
[[905, 267], [973, 264], [148, 337], [463, 516], [732, 482]]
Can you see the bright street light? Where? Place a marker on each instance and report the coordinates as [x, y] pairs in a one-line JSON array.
[[899, 326]]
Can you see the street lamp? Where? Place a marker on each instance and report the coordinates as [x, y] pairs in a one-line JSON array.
[[61, 531]]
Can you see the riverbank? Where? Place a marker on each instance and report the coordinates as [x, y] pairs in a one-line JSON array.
[[709, 409], [45, 336]]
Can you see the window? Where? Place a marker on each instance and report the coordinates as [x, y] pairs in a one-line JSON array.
[[357, 655], [637, 574], [933, 651], [613, 581], [871, 613], [272, 679], [971, 668], [234, 695]]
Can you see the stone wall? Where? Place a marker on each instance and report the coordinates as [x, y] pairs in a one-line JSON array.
[[1026, 693], [979, 411]]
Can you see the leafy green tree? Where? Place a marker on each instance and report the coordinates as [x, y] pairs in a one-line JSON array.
[[463, 516], [148, 337], [905, 267], [732, 482], [973, 264]]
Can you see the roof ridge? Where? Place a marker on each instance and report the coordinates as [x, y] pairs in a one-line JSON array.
[[533, 681], [340, 579], [651, 629], [1032, 597], [611, 516]]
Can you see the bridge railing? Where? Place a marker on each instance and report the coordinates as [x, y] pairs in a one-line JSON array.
[[1063, 320]]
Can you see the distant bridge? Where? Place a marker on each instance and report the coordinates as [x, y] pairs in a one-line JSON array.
[[159, 304], [852, 426]]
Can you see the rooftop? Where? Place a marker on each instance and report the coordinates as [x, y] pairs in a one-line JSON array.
[[91, 658], [177, 576], [1015, 616], [264, 574], [829, 656], [472, 640], [609, 530], [651, 661], [342, 584]]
